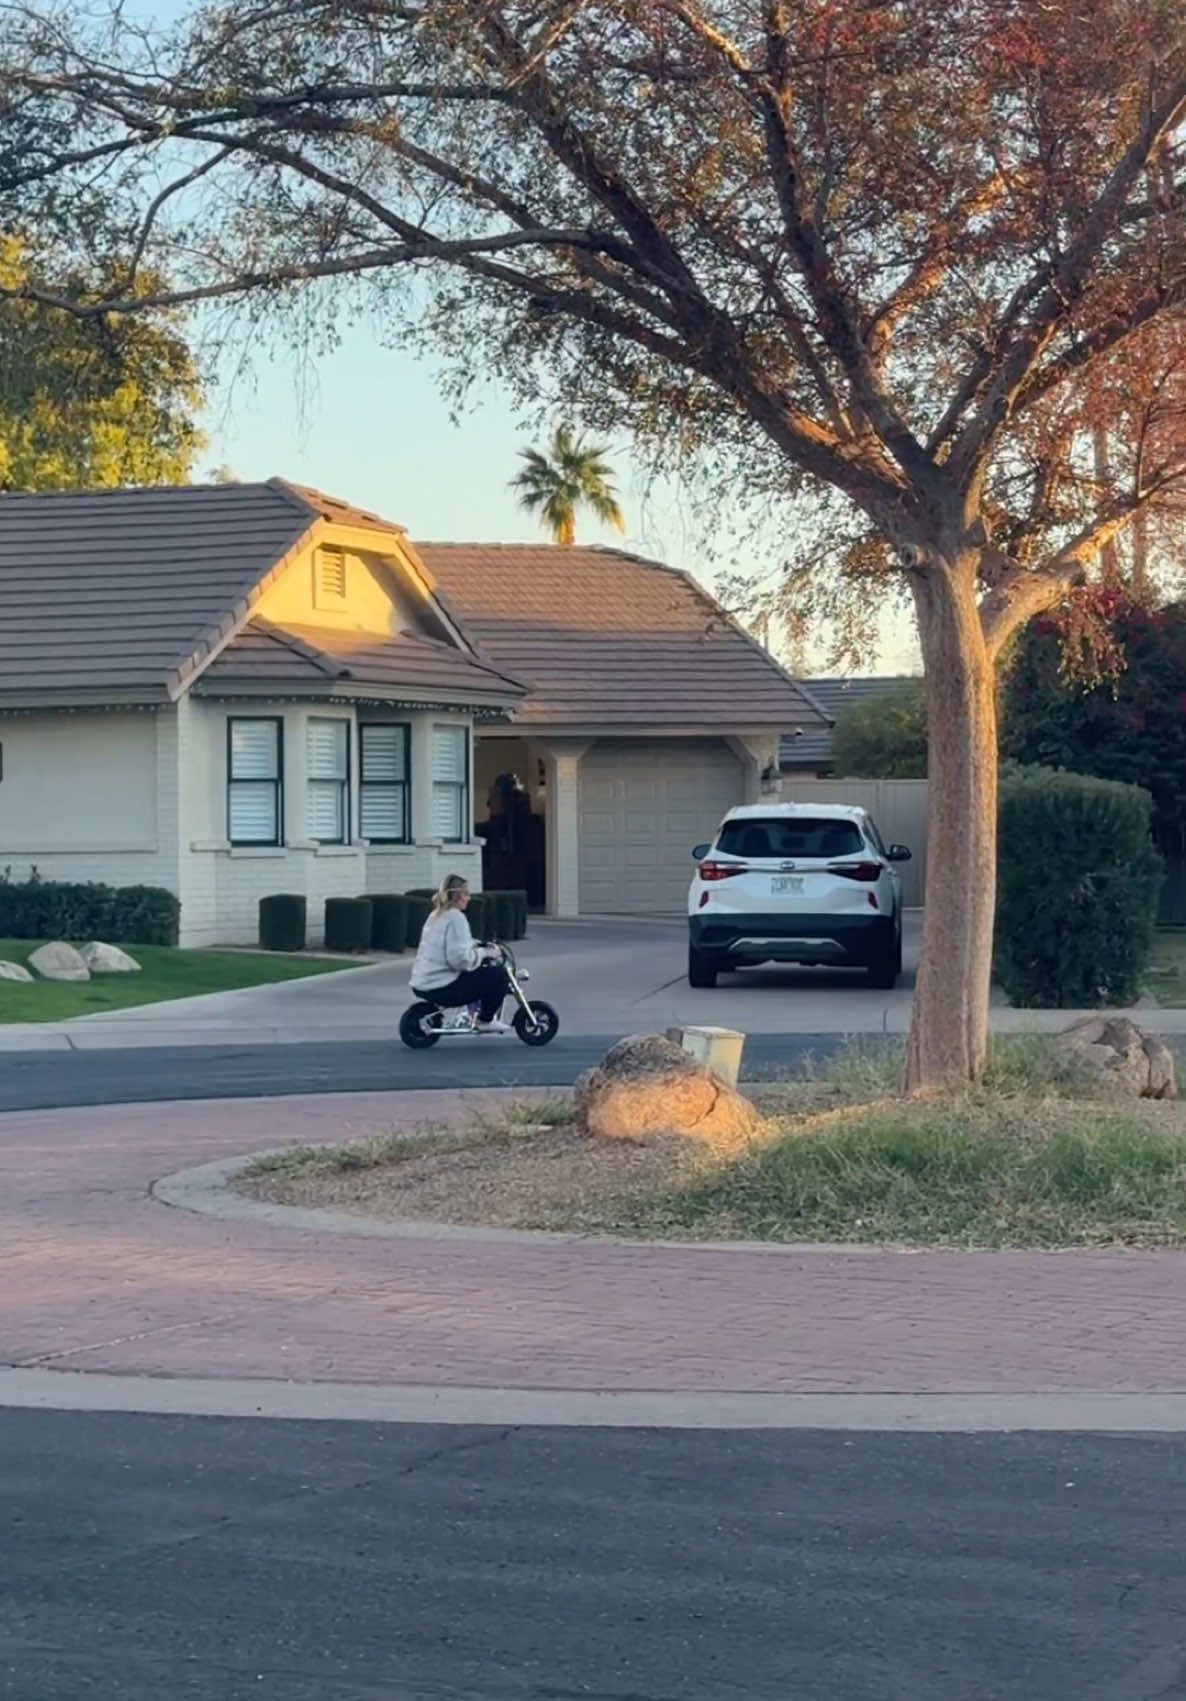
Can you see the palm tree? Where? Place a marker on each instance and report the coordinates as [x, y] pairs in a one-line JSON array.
[[570, 475]]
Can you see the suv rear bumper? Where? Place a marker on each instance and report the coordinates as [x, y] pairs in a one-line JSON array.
[[858, 940]]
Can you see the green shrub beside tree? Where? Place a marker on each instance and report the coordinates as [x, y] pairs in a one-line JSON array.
[[1078, 883]]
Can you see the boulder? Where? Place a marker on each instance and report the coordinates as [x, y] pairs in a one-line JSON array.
[[103, 959], [647, 1085], [14, 971], [1111, 1058], [58, 961]]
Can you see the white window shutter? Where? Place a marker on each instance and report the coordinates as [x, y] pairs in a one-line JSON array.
[[383, 754], [382, 812], [325, 746], [252, 813], [449, 749], [254, 750]]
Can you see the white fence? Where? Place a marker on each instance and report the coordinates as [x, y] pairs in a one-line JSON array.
[[899, 808]]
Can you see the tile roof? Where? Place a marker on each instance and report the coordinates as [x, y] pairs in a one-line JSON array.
[[294, 656], [814, 748], [602, 638], [116, 594]]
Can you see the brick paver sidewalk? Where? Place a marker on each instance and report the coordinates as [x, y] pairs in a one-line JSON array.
[[96, 1275]]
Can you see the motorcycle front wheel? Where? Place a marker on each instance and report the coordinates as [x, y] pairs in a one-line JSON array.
[[537, 1025]]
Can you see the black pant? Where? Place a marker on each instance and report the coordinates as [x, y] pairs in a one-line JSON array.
[[486, 986]]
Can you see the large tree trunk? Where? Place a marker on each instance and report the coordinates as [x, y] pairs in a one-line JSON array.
[[949, 1031]]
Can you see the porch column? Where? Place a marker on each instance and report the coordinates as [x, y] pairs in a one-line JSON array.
[[562, 764]]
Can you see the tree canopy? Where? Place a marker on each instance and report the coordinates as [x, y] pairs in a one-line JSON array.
[[903, 260], [88, 402]]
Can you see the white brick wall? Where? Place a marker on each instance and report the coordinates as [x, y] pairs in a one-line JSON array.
[[142, 798]]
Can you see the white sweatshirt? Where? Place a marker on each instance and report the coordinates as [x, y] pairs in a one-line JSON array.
[[447, 950]]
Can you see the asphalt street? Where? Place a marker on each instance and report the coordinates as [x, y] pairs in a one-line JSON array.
[[214, 1560], [52, 1080]]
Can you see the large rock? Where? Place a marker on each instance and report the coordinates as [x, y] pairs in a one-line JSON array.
[[103, 959], [14, 971], [58, 961], [1110, 1057], [647, 1085]]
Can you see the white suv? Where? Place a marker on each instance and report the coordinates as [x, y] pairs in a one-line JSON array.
[[796, 883]]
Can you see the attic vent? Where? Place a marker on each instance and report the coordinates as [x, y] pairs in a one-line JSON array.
[[331, 575]]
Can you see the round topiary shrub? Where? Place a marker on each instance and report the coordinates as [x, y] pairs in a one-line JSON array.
[[1077, 889], [389, 921], [348, 924], [282, 922]]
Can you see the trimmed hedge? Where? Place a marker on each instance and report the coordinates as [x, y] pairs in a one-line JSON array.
[[389, 921], [282, 922], [506, 912], [82, 911], [348, 924], [1077, 889], [481, 916], [418, 908]]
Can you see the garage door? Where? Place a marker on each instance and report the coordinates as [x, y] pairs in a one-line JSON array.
[[644, 804]]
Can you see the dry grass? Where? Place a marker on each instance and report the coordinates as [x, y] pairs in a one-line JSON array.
[[1013, 1164]]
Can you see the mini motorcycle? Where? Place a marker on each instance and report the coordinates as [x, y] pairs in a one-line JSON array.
[[424, 1023]]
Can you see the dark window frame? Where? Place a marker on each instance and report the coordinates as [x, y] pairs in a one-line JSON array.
[[378, 785], [277, 783], [344, 786]]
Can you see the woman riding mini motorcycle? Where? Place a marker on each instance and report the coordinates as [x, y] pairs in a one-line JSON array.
[[450, 969]]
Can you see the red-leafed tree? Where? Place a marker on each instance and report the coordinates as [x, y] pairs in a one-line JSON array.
[[905, 261]]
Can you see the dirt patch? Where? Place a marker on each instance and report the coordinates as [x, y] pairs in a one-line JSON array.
[[531, 1176]]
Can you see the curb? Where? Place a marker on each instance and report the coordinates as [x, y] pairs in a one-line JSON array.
[[80, 1391]]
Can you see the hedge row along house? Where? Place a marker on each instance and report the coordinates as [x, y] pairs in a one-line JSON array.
[[235, 690]]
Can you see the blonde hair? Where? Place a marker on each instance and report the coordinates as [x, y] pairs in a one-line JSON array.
[[445, 897]]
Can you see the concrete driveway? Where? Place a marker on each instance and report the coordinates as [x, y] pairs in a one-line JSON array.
[[604, 977]]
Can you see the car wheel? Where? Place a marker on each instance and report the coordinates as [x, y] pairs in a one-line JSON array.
[[885, 968], [702, 969]]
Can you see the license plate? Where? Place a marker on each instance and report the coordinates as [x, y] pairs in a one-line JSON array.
[[786, 883]]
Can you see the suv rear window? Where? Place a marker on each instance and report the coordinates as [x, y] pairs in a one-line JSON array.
[[804, 836]]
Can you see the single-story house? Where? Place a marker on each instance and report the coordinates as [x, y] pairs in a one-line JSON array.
[[807, 751], [234, 690]]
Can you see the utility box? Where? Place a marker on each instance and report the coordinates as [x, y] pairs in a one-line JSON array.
[[719, 1049]]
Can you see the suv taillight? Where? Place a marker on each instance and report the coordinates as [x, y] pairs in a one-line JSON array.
[[856, 870], [722, 870]]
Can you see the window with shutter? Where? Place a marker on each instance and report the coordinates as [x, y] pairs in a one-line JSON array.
[[383, 783], [254, 780], [450, 784], [327, 781]]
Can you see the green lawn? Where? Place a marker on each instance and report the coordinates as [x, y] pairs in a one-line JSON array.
[[164, 973], [1165, 978]]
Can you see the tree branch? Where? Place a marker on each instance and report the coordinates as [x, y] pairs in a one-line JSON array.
[[1068, 280]]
